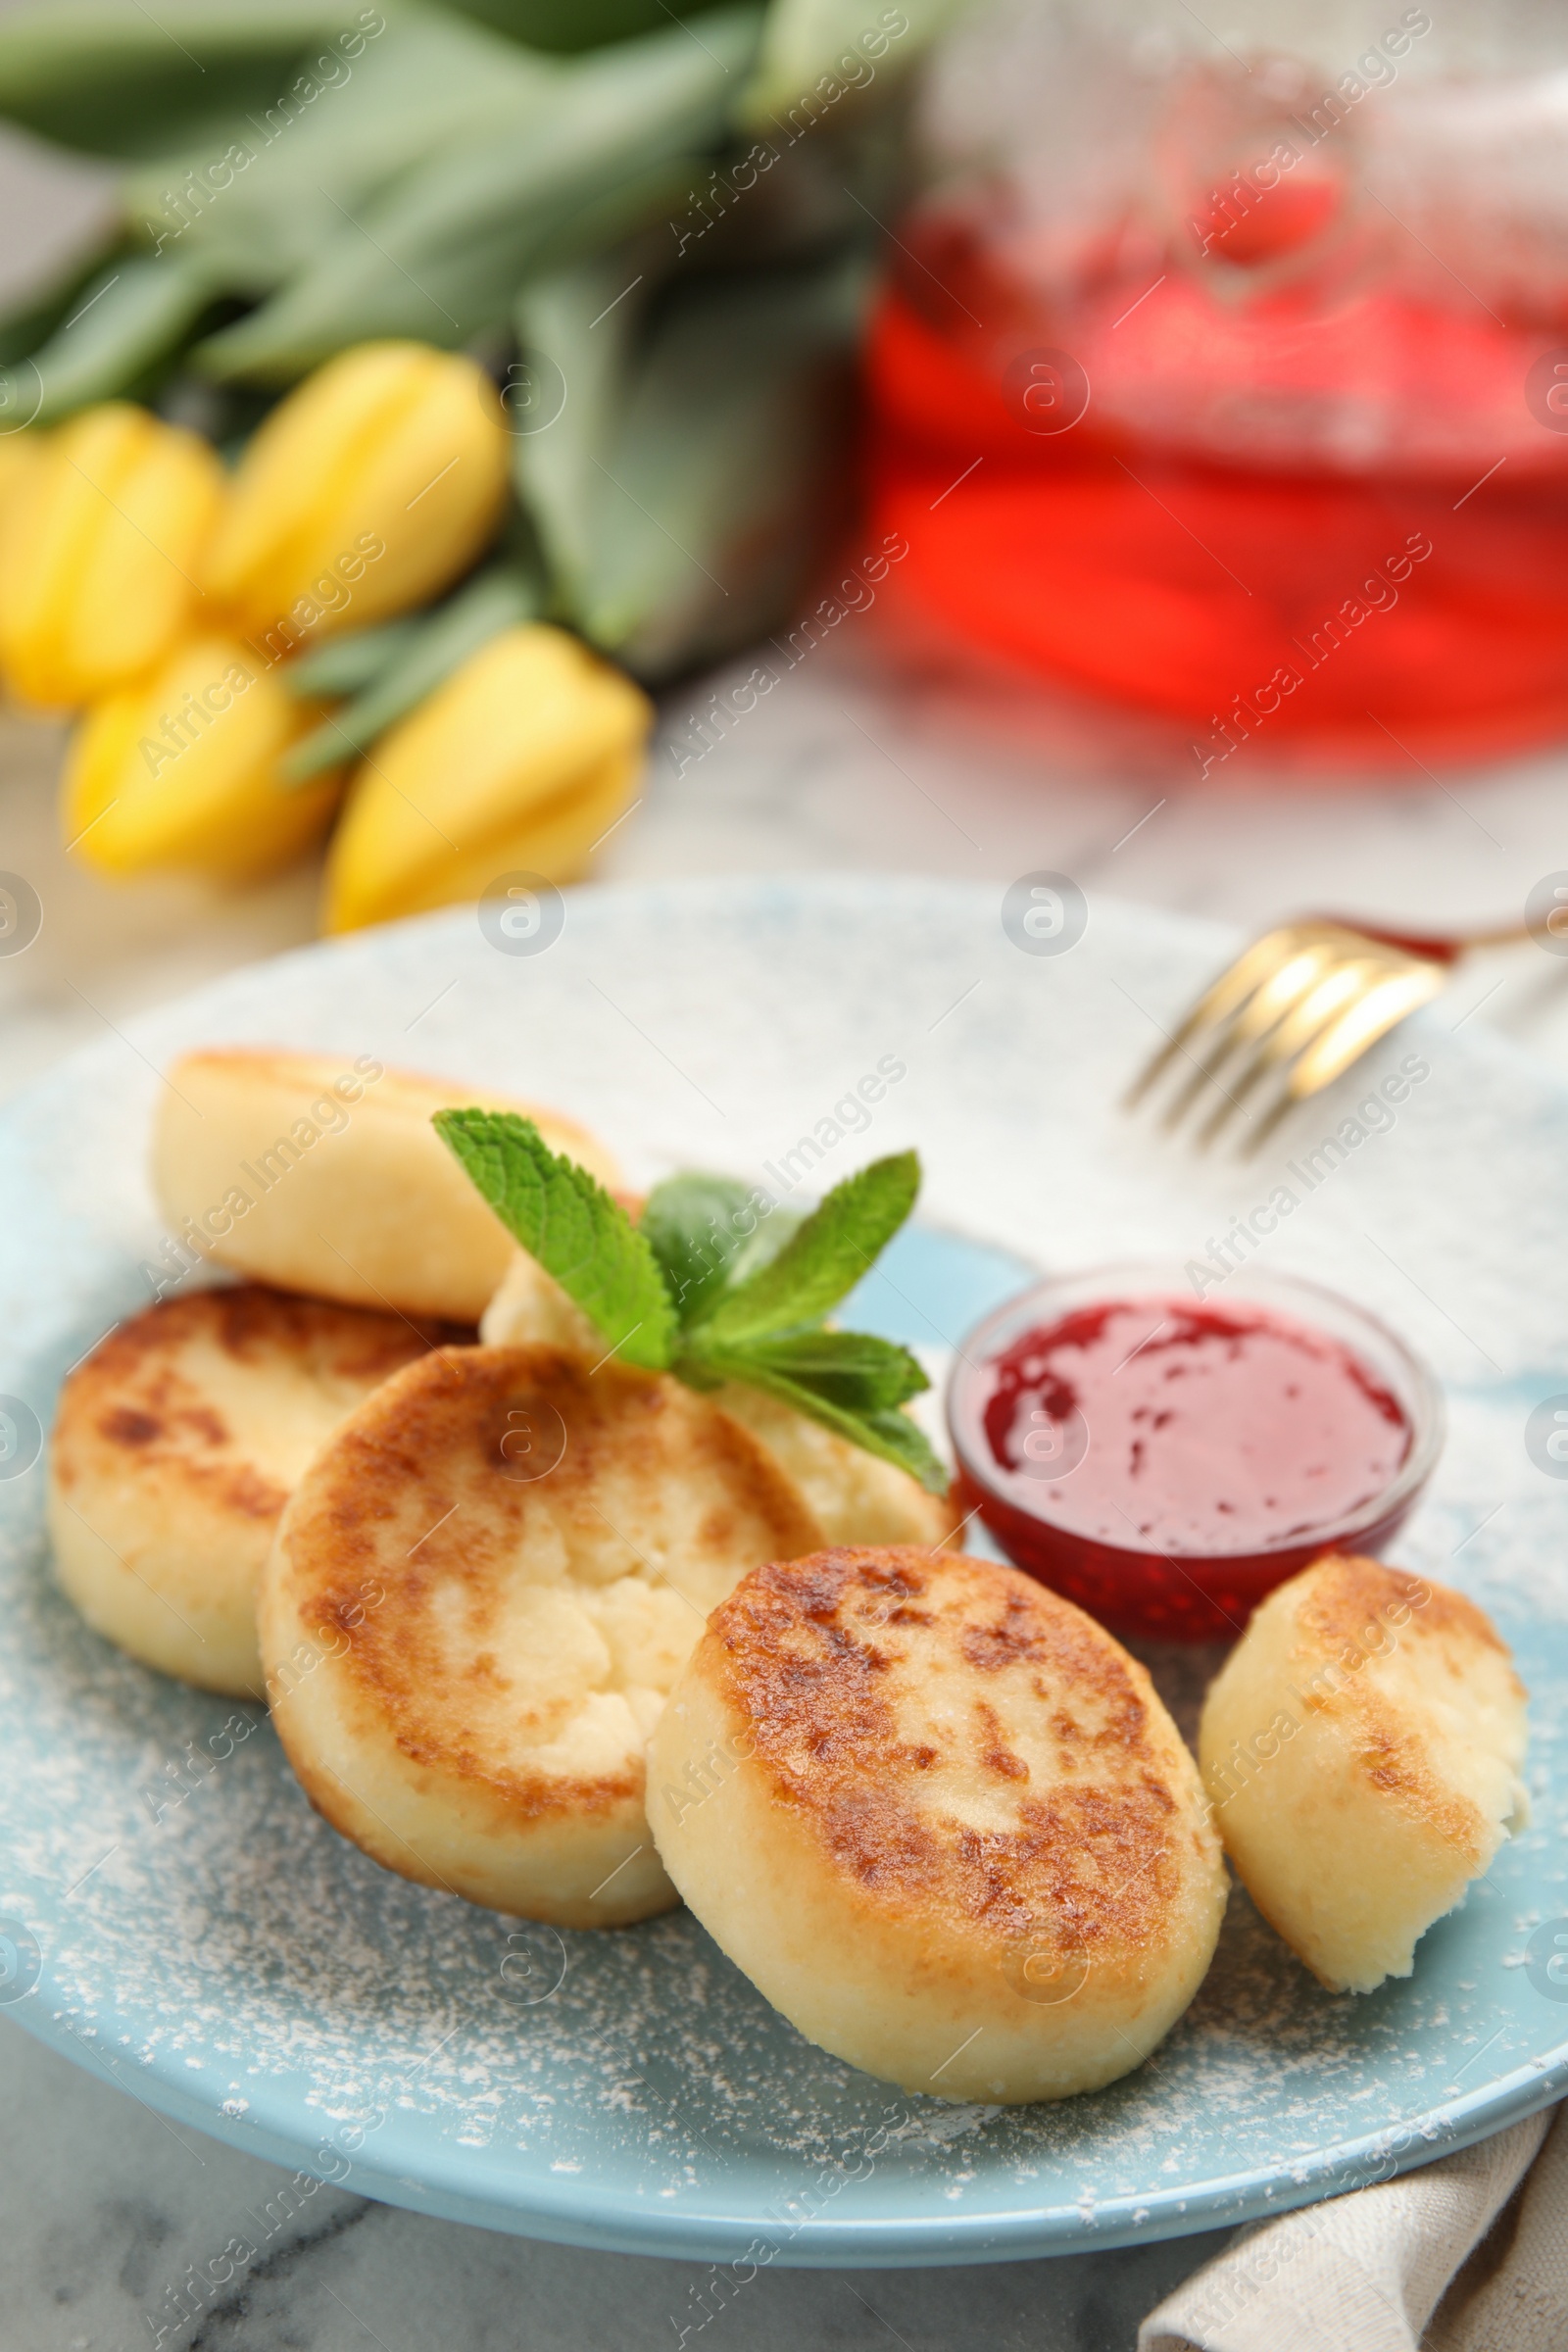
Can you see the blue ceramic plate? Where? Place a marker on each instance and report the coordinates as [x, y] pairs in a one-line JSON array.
[[180, 1920]]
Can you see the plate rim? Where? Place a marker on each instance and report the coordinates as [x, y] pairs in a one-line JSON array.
[[618, 2222], [612, 2219]]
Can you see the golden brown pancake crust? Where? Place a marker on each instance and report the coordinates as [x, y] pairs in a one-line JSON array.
[[806, 1650], [130, 1413], [1363, 1745], [417, 1497], [1348, 1604], [1351, 1595], [941, 1820]]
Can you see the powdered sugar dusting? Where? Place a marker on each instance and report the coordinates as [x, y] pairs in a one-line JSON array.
[[223, 1953]]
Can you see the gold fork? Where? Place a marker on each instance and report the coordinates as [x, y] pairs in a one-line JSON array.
[[1297, 1008]]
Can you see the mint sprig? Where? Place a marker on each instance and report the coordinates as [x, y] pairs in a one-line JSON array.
[[850, 1368], [839, 1243], [565, 1219], [718, 1283], [698, 1228], [877, 1430]]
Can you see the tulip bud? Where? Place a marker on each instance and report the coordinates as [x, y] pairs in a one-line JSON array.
[[101, 539], [521, 762], [17, 453], [17, 450], [182, 771], [369, 488]]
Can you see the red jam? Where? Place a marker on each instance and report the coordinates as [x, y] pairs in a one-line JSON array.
[[1164, 1464]]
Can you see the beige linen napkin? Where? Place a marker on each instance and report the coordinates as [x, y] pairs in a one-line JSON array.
[[1455, 2257]]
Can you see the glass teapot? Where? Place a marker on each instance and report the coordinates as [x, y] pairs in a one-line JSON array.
[[1224, 374]]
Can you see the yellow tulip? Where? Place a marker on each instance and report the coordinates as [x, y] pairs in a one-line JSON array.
[[521, 762], [17, 454], [101, 538], [181, 771], [370, 488]]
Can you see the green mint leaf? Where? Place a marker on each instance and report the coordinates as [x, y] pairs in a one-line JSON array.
[[892, 1435], [766, 1242], [827, 1257], [899, 1439], [850, 1368], [706, 1230], [567, 1220], [697, 1226]]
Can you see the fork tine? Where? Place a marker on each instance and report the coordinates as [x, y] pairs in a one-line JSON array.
[[1323, 1002], [1378, 1009], [1305, 1002], [1270, 1001], [1233, 985], [1362, 1025], [1279, 998]]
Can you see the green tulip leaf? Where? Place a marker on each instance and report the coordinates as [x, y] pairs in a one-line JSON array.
[[270, 195], [818, 55], [125, 328], [115, 78], [442, 254], [716, 491], [571, 26], [439, 643]]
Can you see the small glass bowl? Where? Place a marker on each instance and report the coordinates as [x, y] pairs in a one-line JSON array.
[[1169, 1594]]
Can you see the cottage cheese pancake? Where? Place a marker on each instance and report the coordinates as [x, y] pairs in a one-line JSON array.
[[1362, 1745], [942, 1821], [323, 1173], [544, 1541], [174, 1448], [854, 1496]]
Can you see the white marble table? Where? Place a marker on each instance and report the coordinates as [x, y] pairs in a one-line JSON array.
[[105, 2202], [835, 769]]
